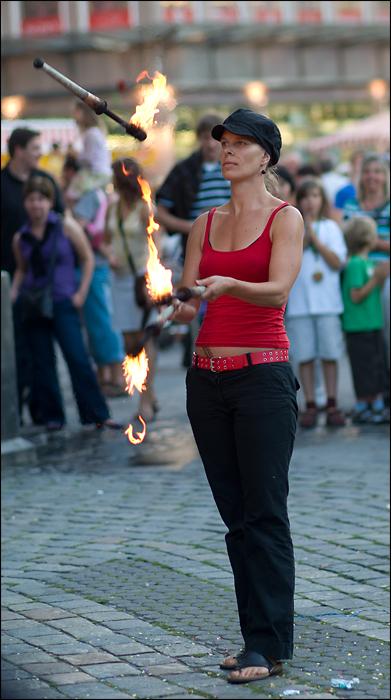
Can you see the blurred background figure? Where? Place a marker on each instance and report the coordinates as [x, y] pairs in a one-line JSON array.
[[126, 248], [292, 162], [94, 159], [106, 345], [286, 185], [69, 169], [362, 321], [373, 199], [33, 248], [193, 186], [24, 147], [332, 181], [315, 303], [54, 161], [349, 190], [305, 172]]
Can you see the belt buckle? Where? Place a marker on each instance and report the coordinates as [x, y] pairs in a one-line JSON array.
[[212, 360]]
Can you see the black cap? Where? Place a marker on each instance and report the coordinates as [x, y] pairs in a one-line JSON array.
[[249, 123]]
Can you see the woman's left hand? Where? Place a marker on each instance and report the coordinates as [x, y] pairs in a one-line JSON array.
[[77, 300], [216, 286]]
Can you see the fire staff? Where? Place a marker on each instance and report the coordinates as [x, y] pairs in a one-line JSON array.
[[241, 388]]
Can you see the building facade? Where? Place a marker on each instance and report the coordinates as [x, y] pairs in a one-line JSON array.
[[303, 63]]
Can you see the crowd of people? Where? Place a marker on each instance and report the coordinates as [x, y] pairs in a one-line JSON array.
[[83, 235]]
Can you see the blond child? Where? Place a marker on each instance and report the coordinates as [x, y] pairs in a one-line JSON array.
[[362, 320]]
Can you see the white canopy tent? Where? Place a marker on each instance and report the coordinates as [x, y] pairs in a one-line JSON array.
[[61, 131], [373, 132]]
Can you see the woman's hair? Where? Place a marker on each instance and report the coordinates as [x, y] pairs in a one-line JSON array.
[[359, 232], [126, 172], [377, 158], [89, 116], [271, 179], [39, 184], [313, 184]]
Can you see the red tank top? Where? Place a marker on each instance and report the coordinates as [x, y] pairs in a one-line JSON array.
[[230, 322]]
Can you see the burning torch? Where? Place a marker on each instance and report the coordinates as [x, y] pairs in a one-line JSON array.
[[98, 105]]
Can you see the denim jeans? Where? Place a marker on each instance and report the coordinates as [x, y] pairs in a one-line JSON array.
[[244, 424], [105, 344], [66, 328]]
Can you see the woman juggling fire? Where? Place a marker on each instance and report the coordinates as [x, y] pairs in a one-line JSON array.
[[241, 389]]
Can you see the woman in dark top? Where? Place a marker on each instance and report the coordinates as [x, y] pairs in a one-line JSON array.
[[32, 247]]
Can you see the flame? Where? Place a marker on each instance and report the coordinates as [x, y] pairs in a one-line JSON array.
[[135, 372], [140, 436], [144, 114], [158, 278]]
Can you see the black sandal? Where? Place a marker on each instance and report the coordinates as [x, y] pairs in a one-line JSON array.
[[238, 658], [252, 658]]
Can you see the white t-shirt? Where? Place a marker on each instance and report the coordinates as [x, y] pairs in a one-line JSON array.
[[309, 297], [95, 153]]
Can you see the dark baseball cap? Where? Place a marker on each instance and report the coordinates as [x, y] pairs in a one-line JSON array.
[[245, 122]]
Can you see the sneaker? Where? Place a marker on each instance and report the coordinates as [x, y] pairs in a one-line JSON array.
[[364, 416], [382, 416]]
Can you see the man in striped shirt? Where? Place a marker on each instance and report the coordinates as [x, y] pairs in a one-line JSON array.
[[193, 186]]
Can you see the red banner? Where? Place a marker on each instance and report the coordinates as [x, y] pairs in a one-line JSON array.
[[40, 18], [109, 15]]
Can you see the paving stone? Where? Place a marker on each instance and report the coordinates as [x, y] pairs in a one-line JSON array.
[[145, 686], [107, 670], [92, 691], [167, 669], [28, 690], [60, 679], [124, 649], [97, 657], [47, 614]]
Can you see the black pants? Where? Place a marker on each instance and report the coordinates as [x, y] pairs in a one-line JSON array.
[[244, 424], [368, 361], [66, 328]]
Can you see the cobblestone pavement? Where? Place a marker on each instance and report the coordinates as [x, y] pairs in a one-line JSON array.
[[116, 582]]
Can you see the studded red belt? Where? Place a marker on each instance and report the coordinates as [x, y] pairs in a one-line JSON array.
[[220, 364]]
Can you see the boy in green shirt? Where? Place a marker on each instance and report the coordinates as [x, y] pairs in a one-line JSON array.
[[362, 321]]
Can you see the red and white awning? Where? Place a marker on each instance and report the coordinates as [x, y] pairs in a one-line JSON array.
[[61, 131], [373, 131]]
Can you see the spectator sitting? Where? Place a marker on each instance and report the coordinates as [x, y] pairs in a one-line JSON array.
[[362, 321], [94, 159], [315, 302]]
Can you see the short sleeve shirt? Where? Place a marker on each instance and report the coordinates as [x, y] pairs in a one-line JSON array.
[[367, 314]]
